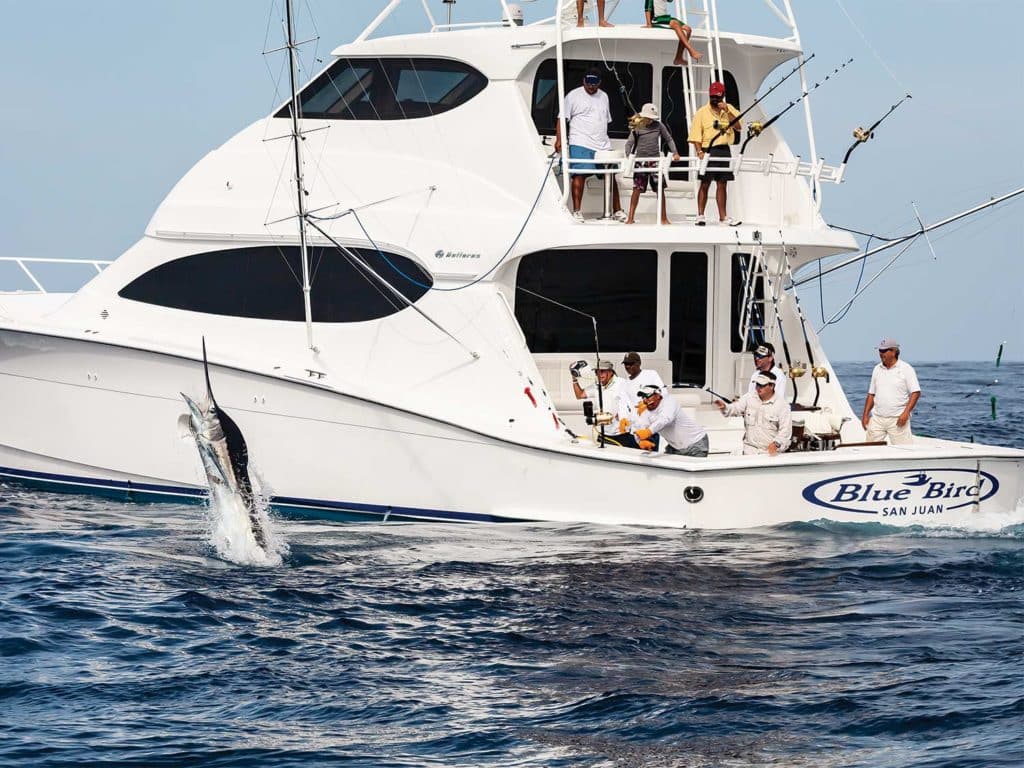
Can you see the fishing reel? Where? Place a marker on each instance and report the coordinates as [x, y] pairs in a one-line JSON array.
[[820, 372], [754, 129], [796, 370], [595, 419], [862, 135]]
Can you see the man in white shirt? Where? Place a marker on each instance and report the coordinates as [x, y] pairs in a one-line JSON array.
[[766, 417], [764, 360], [638, 378], [587, 113], [613, 392], [682, 435], [892, 395]]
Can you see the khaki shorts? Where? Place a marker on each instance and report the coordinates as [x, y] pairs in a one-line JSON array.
[[881, 427]]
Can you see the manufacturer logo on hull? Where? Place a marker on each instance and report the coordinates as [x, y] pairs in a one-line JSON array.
[[903, 492]]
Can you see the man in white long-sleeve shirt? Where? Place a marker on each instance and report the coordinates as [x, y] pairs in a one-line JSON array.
[[768, 422], [764, 360], [663, 416]]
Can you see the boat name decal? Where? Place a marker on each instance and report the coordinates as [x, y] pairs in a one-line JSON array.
[[443, 254], [903, 492]]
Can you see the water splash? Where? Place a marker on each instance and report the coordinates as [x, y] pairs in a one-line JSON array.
[[231, 535]]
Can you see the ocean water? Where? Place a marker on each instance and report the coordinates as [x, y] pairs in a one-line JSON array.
[[128, 639]]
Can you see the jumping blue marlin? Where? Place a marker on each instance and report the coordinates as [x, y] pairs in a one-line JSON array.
[[223, 451]]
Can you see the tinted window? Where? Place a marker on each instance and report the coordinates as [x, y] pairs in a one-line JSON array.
[[266, 283], [636, 78], [740, 266], [618, 287], [688, 318], [388, 89]]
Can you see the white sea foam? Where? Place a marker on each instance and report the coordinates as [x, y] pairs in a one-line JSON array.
[[231, 531]]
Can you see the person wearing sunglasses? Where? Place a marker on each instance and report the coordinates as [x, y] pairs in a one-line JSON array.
[[587, 114], [764, 360], [664, 418], [892, 395], [768, 424], [709, 135]]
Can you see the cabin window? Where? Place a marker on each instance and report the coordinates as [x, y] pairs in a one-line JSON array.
[[741, 264], [265, 283], [388, 88], [688, 317], [617, 286], [636, 78]]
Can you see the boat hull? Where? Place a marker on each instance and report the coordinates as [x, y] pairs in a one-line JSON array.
[[96, 417]]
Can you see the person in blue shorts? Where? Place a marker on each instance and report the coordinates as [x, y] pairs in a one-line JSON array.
[[587, 113], [657, 15]]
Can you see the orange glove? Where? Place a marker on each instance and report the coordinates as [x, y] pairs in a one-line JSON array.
[[646, 445], [623, 425], [643, 434], [641, 407]]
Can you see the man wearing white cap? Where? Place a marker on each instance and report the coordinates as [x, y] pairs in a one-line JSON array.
[[764, 360], [892, 395], [663, 417], [766, 416]]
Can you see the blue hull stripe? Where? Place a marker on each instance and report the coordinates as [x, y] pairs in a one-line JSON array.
[[317, 508]]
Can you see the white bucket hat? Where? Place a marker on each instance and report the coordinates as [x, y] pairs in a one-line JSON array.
[[650, 111]]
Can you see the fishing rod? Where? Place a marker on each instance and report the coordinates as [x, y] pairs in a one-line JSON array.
[[740, 116], [815, 371], [573, 368], [709, 390], [755, 128], [862, 135]]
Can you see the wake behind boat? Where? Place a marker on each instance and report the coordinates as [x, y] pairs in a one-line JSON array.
[[393, 332]]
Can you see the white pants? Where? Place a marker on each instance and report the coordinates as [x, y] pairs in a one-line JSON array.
[[881, 427]]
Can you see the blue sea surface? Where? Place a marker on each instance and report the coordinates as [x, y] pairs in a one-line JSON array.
[[125, 640]]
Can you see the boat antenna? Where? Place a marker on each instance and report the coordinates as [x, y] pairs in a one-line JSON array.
[[297, 140], [755, 128], [761, 98]]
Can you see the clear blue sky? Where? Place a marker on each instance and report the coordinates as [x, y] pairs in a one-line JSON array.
[[110, 102]]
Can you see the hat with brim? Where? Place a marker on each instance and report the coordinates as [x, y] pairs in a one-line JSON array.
[[648, 390], [650, 111], [605, 365], [762, 351], [763, 379], [888, 344]]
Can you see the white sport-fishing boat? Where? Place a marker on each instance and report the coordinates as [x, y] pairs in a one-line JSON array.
[[384, 338]]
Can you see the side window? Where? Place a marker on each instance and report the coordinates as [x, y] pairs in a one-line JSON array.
[[618, 287], [636, 78], [263, 283], [388, 89]]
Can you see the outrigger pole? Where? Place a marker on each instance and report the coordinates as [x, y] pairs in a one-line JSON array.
[[299, 184], [899, 240]]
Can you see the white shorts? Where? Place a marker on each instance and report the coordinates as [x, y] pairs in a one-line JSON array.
[[881, 427]]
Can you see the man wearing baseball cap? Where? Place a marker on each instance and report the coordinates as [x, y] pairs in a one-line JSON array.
[[769, 424], [892, 395], [639, 377], [710, 135], [764, 360], [663, 417]]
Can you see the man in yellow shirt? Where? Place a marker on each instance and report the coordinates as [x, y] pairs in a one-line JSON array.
[[708, 134]]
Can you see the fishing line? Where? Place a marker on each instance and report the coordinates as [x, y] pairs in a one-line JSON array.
[[396, 268], [871, 47]]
